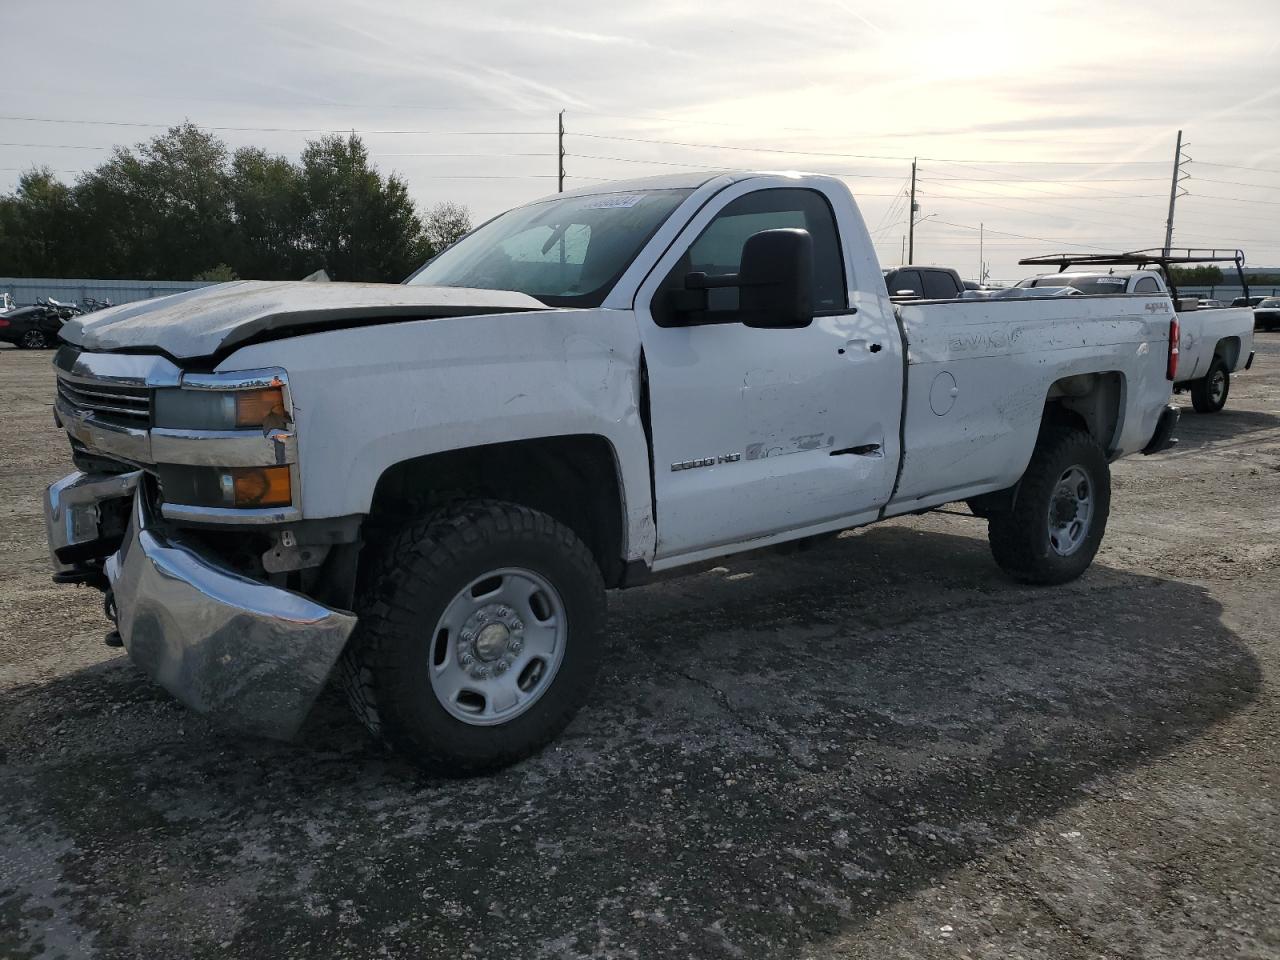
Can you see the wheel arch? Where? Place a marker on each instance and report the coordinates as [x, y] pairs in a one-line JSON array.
[[1228, 348], [1092, 401], [574, 478]]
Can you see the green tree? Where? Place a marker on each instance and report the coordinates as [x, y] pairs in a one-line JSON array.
[[445, 224], [268, 206], [1204, 275], [359, 225], [37, 229], [221, 273], [162, 209], [182, 206]]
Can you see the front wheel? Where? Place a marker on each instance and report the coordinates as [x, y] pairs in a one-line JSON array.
[[1059, 514], [1209, 394], [479, 636]]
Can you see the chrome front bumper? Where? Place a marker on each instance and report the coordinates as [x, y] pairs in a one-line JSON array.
[[246, 653], [73, 515]]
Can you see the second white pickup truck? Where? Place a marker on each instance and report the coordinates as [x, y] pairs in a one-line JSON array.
[[430, 486], [1213, 342]]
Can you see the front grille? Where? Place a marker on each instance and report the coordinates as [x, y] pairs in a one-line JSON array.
[[126, 406]]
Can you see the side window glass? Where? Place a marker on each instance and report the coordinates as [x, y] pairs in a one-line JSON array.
[[939, 285], [1146, 285], [907, 280], [718, 250]]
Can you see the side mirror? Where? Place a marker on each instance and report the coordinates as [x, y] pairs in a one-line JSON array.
[[774, 284], [775, 280]]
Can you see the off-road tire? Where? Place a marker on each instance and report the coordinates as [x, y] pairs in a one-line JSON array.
[[1019, 536], [411, 578], [1202, 397]]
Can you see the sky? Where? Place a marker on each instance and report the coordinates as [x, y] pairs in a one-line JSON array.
[[1043, 126]]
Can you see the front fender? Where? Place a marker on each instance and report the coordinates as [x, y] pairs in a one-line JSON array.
[[371, 397]]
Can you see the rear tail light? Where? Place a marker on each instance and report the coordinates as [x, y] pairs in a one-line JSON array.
[[3, 322], [1175, 335]]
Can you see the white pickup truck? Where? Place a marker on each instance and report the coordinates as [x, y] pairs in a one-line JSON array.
[[428, 487], [1213, 342]]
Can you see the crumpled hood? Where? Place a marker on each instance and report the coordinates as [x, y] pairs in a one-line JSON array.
[[208, 321]]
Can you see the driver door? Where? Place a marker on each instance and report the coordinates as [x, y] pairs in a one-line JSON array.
[[760, 433]]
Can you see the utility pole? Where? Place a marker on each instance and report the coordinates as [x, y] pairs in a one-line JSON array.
[[911, 217], [1173, 194], [981, 262], [560, 151]]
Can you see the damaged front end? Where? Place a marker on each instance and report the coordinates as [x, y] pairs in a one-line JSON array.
[[186, 512]]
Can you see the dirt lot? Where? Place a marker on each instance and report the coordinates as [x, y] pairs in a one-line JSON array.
[[880, 748]]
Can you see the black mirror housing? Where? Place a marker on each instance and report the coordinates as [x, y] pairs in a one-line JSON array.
[[775, 280], [774, 284]]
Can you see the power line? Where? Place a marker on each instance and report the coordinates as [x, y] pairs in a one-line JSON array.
[[1236, 166], [1039, 180], [1044, 199], [1210, 196], [1235, 183], [199, 126], [55, 146], [725, 146], [712, 166], [1020, 236], [1072, 214], [1055, 163], [469, 155]]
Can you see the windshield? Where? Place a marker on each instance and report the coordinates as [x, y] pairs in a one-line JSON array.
[[1270, 302], [565, 252]]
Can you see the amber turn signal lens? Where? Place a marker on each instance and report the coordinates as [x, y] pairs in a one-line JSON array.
[[256, 407], [261, 487]]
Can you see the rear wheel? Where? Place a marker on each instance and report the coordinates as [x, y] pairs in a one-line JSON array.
[[34, 340], [1059, 514], [479, 636], [1209, 394]]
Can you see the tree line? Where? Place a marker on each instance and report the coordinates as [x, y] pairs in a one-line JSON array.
[[183, 206]]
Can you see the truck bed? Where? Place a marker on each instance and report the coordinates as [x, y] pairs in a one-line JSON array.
[[979, 372]]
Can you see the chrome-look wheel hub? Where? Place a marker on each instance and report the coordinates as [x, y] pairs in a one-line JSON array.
[[497, 646], [1070, 511]]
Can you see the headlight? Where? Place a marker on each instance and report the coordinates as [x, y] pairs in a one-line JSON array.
[[220, 409]]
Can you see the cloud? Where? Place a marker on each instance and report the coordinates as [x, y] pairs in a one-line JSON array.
[[1087, 82]]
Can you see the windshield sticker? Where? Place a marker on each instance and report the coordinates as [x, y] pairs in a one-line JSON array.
[[614, 201], [1116, 280]]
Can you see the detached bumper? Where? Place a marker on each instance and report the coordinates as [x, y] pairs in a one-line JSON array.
[[246, 653], [1163, 438]]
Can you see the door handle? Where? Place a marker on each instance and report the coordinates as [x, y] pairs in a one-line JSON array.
[[857, 346]]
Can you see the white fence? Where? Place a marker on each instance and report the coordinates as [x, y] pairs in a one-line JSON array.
[[25, 290]]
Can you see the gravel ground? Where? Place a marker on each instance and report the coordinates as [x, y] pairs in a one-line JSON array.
[[878, 748]]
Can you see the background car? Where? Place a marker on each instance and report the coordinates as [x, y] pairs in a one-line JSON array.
[[923, 283], [1266, 315], [36, 327]]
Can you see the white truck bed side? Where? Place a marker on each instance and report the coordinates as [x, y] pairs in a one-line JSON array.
[[979, 373]]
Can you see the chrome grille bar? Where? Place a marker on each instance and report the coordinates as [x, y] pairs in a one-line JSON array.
[[130, 403]]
